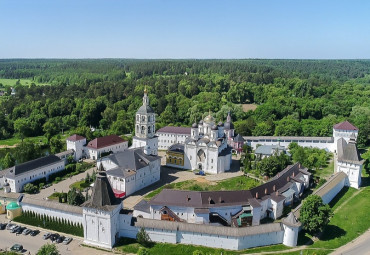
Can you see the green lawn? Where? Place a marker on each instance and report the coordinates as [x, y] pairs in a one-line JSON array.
[[80, 185], [326, 171], [350, 221], [12, 82], [128, 245], [14, 140], [235, 183]]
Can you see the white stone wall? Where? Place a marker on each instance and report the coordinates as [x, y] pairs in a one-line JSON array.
[[152, 143], [16, 183], [72, 217], [125, 228], [330, 146], [265, 239], [333, 192]]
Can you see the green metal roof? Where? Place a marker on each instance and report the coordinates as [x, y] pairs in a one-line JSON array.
[[12, 206]]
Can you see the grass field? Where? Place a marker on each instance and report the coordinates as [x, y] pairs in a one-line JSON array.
[[12, 82], [80, 185], [350, 221], [14, 140], [200, 184], [127, 245], [326, 171]]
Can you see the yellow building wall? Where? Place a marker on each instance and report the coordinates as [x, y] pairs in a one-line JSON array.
[[11, 214], [175, 158]]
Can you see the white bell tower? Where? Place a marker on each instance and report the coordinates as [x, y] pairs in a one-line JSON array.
[[145, 128]]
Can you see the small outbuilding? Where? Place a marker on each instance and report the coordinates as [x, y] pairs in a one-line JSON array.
[[13, 210]]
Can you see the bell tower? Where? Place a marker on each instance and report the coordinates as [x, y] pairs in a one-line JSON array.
[[145, 127]]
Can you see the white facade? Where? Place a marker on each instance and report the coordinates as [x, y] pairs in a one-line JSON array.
[[132, 180], [165, 140], [353, 171], [16, 182], [95, 153], [76, 143], [101, 227], [207, 148]]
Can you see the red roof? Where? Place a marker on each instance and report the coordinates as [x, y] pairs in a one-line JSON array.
[[75, 137], [345, 125], [175, 130], [105, 141]]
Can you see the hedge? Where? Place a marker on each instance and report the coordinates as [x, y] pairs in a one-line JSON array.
[[52, 223]]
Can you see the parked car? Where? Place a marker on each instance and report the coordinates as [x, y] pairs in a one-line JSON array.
[[54, 237], [46, 236], [10, 226], [2, 226], [20, 230], [17, 247], [26, 231], [67, 240], [34, 232], [60, 239], [14, 229]]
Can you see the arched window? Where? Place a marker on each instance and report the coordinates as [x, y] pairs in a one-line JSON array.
[[137, 117], [143, 118], [149, 129], [142, 129]]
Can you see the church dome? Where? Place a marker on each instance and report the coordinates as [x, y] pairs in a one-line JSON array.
[[214, 127], [209, 119], [220, 124], [144, 109], [228, 125], [195, 125]]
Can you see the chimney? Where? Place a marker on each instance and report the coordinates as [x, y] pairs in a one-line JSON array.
[[287, 179], [265, 191], [220, 199], [274, 188], [293, 174], [277, 193], [256, 194]]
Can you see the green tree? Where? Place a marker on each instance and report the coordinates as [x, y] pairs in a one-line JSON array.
[[7, 161], [27, 150], [48, 249], [51, 128], [56, 144], [314, 214], [75, 197], [22, 127], [30, 188], [143, 238]]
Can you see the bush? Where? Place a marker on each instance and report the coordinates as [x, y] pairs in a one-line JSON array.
[[143, 251], [30, 188], [198, 252], [143, 238]]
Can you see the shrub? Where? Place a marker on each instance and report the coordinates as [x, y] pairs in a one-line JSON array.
[[143, 238], [143, 251]]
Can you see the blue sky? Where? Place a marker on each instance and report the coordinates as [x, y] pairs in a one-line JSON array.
[[184, 29]]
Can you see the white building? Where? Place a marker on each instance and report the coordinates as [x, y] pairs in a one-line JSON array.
[[168, 136], [131, 170], [100, 216], [237, 208], [97, 147], [348, 161], [106, 144], [207, 148], [17, 176], [77, 144], [145, 128]]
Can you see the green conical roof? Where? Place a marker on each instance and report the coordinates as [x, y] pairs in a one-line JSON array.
[[12, 206]]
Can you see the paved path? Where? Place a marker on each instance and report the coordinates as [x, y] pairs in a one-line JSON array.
[[62, 186]]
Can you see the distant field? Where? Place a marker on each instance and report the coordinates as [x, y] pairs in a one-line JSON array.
[[249, 107], [11, 82]]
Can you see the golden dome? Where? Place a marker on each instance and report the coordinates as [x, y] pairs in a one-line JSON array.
[[209, 119], [145, 90]]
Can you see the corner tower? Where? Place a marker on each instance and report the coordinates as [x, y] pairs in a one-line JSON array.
[[145, 128]]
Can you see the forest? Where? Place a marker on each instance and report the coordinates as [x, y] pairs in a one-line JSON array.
[[289, 97]]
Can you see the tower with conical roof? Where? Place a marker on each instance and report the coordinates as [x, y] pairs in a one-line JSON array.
[[145, 127]]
